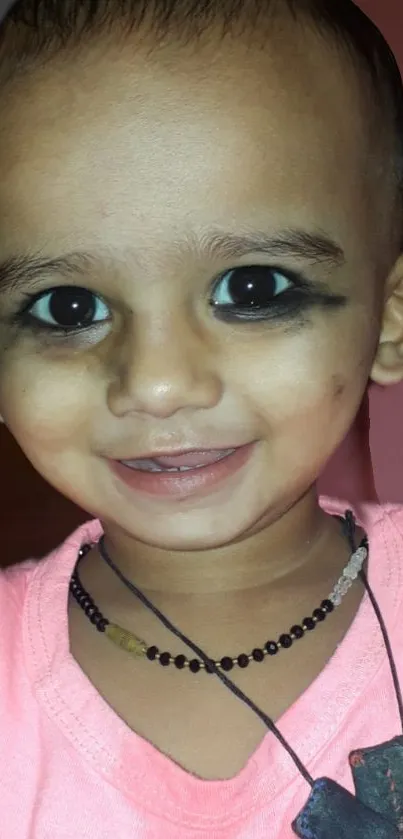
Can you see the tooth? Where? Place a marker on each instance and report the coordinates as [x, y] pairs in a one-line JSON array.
[[150, 466]]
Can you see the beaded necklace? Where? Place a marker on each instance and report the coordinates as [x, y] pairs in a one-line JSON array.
[[331, 812], [138, 647]]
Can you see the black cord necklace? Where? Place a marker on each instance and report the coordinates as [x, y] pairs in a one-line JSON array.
[[376, 812], [137, 647]]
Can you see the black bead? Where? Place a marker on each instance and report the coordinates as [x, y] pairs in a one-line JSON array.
[[327, 606], [285, 641], [271, 648], [227, 663], [309, 624], [180, 662], [95, 617], [258, 654], [297, 631], [210, 666], [152, 653], [102, 624], [84, 600], [165, 659], [320, 615], [194, 665], [243, 660]]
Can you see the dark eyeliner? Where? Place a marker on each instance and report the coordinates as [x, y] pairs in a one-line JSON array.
[[23, 318], [304, 296]]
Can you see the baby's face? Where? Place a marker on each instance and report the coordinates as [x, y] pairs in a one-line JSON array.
[[217, 216]]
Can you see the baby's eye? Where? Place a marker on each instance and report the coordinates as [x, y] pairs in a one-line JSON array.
[[252, 287], [68, 308]]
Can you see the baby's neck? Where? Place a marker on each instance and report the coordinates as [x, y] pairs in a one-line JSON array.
[[302, 550]]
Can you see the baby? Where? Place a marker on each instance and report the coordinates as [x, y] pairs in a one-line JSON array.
[[201, 208]]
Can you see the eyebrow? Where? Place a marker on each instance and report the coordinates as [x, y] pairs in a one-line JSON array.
[[19, 270], [315, 247]]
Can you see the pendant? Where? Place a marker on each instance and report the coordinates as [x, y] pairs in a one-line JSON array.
[[376, 809]]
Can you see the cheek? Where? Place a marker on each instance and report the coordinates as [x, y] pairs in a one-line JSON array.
[[306, 385], [45, 406]]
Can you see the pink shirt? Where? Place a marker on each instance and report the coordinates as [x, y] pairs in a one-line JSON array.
[[71, 768]]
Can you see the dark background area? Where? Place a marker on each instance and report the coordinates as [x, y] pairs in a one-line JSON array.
[[34, 518]]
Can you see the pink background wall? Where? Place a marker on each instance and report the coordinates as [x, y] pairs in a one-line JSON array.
[[386, 406], [388, 15]]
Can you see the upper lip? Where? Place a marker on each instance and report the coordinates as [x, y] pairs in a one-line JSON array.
[[153, 455]]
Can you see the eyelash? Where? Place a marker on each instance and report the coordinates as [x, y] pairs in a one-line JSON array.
[[26, 320], [287, 304]]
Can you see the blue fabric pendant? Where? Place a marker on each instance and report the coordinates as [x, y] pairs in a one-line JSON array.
[[378, 778], [375, 812]]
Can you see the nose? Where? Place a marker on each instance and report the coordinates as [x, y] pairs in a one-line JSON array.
[[163, 370]]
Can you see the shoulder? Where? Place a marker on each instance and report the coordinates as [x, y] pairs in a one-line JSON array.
[[394, 514], [30, 590], [390, 526], [14, 584], [374, 516], [383, 524], [387, 519]]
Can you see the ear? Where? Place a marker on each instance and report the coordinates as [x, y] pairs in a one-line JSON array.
[[388, 365]]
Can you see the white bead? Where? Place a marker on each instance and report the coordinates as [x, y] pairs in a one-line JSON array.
[[350, 574]]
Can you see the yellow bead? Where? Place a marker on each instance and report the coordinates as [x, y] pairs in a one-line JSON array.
[[126, 640]]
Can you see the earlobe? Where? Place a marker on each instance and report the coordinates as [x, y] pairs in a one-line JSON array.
[[388, 365]]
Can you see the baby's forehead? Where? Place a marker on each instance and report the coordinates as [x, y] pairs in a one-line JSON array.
[[302, 87], [150, 156]]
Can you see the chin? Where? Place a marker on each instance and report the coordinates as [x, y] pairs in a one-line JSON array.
[[183, 531]]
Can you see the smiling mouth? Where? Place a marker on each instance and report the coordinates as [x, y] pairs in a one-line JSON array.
[[186, 462], [183, 474]]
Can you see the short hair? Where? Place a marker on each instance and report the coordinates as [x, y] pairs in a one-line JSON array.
[[35, 30]]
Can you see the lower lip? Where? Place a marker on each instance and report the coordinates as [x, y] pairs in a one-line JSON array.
[[183, 484]]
